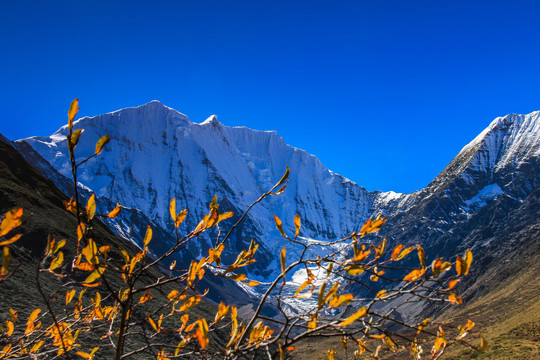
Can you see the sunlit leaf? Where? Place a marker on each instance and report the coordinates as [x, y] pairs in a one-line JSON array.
[[172, 209], [381, 294], [102, 142], [451, 284], [72, 112], [414, 275], [80, 231], [13, 315], [439, 342], [6, 260], [96, 274], [153, 324], [91, 207], [10, 328], [148, 235], [454, 299], [11, 240], [331, 354], [279, 226], [180, 217], [421, 256], [357, 315], [12, 219], [396, 251], [459, 265], [467, 260], [114, 212], [37, 346], [145, 297], [57, 261], [297, 225], [74, 139], [69, 296], [405, 253]]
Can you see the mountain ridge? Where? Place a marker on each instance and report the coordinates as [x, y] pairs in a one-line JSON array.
[[144, 168]]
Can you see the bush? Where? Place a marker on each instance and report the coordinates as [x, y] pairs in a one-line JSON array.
[[123, 303]]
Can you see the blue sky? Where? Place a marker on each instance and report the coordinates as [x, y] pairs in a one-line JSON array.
[[385, 93]]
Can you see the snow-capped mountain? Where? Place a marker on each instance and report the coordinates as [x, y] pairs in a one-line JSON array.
[[157, 153]]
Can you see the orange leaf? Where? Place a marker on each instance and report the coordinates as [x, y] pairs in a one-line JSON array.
[[454, 299], [115, 211], [11, 220], [396, 251], [451, 284], [414, 275], [297, 225]]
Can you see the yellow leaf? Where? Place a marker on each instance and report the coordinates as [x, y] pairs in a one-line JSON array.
[[69, 296], [80, 231], [10, 328], [96, 274], [279, 226], [440, 341], [202, 333], [297, 225], [355, 270], [331, 354], [320, 300], [421, 256], [57, 262], [341, 299], [36, 346], [224, 216], [91, 207], [357, 315], [378, 336], [414, 275], [74, 139], [11, 220], [436, 267], [180, 217], [381, 293], [73, 109], [6, 259], [148, 235], [114, 213], [405, 253], [102, 142], [396, 251], [253, 283], [379, 251], [222, 311]]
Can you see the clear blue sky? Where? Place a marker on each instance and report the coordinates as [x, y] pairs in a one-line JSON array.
[[385, 93]]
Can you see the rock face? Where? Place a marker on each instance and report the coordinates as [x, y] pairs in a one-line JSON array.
[[157, 153]]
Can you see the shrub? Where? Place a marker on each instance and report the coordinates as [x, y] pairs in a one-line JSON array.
[[123, 303]]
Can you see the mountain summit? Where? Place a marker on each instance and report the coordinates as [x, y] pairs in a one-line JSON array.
[[156, 153]]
